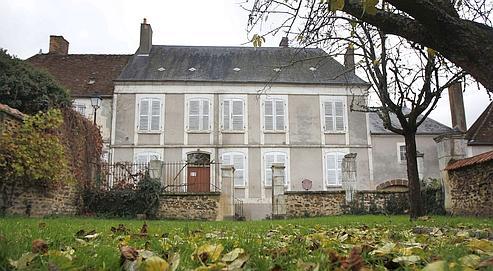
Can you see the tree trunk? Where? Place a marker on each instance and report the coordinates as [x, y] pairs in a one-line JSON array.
[[415, 206]]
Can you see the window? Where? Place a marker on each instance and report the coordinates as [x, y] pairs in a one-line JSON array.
[[333, 167], [274, 115], [333, 115], [237, 159], [81, 108], [146, 157], [271, 158], [150, 114], [199, 115], [401, 153], [233, 115]]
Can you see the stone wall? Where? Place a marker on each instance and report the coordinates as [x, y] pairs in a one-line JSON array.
[[326, 203], [38, 202], [471, 190], [195, 206]]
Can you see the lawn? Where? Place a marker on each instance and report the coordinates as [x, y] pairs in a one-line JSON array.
[[329, 243]]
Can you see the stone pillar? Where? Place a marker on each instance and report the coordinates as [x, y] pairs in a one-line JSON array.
[[227, 199], [278, 188], [449, 147], [349, 175], [421, 164]]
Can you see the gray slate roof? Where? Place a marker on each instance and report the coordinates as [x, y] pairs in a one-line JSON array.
[[217, 64], [429, 126]]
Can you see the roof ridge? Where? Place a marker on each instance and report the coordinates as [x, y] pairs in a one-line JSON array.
[[480, 121]]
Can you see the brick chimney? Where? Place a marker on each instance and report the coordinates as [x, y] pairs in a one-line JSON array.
[[457, 107], [145, 38], [58, 45], [349, 59], [284, 42]]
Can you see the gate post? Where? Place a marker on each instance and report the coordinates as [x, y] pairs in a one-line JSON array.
[[226, 200], [278, 188], [349, 175]]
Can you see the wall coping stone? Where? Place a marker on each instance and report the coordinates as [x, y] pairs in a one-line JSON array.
[[341, 192], [188, 194]]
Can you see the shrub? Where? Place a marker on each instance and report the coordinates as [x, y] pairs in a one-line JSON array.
[[125, 202], [28, 89], [33, 155]]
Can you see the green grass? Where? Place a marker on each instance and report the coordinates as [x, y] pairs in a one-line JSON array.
[[289, 244]]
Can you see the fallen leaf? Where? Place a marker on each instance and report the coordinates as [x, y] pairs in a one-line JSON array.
[[470, 260], [128, 253], [383, 250], [486, 262], [354, 261], [412, 259], [208, 252], [39, 246], [232, 255], [174, 261], [24, 261], [143, 230], [154, 263], [480, 246], [435, 266], [239, 262]]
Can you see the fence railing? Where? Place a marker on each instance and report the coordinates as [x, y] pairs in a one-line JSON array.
[[238, 205], [175, 177]]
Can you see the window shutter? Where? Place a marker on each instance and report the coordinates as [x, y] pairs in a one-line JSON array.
[[144, 115], [279, 115], [340, 156], [193, 115], [205, 115], [226, 114], [239, 164], [237, 115], [339, 116], [329, 119], [331, 161], [268, 116], [155, 114], [281, 158], [269, 160]]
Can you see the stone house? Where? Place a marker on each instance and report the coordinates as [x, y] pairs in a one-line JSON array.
[[252, 107], [480, 135], [85, 76]]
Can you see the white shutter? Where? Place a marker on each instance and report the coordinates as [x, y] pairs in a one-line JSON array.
[[237, 115], [279, 115], [155, 114], [226, 114], [269, 160], [268, 116], [339, 115], [205, 115], [329, 118], [239, 165], [331, 160], [194, 115], [340, 156], [144, 115]]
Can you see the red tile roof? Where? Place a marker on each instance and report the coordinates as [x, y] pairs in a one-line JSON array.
[[12, 111], [481, 132], [478, 159], [83, 74]]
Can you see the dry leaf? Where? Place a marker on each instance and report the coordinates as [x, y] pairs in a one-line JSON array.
[[128, 253], [39, 246], [232, 255], [208, 252], [154, 263]]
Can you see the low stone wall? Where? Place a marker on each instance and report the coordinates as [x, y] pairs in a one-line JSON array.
[[195, 206], [38, 202], [326, 203], [471, 190]]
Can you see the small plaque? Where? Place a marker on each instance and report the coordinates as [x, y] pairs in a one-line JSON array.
[[306, 184]]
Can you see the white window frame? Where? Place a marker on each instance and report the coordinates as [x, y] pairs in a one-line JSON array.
[[200, 98], [78, 106], [333, 99], [231, 98], [286, 152], [148, 153], [399, 145], [245, 163], [284, 99], [138, 99], [325, 167]]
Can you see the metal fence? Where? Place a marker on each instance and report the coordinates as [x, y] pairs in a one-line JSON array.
[[238, 205], [175, 177]]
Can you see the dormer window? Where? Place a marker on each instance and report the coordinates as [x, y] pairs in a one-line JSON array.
[[312, 69], [236, 69], [91, 81], [192, 69], [162, 69]]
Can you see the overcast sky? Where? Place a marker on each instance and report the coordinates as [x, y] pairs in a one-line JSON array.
[[112, 27]]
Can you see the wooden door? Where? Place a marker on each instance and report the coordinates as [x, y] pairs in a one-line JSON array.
[[198, 178]]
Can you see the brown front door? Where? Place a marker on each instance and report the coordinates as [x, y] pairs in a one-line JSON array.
[[198, 178]]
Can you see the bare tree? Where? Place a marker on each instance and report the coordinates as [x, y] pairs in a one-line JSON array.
[[406, 78], [461, 30]]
